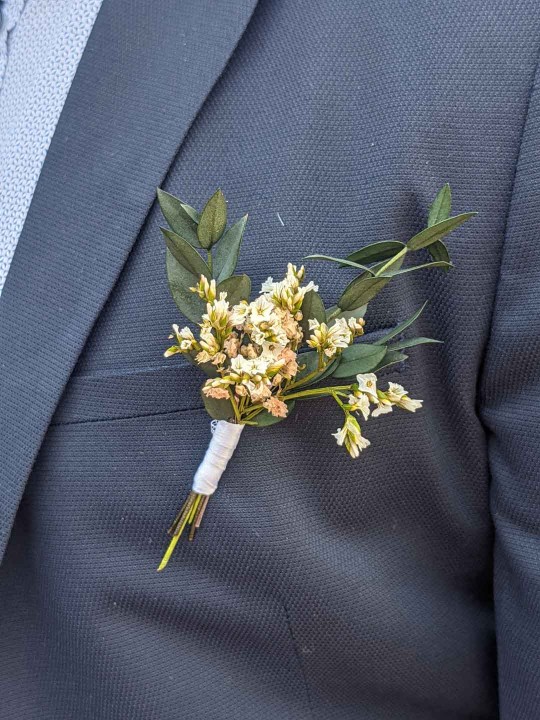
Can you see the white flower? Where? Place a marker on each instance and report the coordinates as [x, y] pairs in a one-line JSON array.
[[400, 397], [204, 289], [239, 313], [351, 436], [287, 293], [217, 314], [329, 340], [359, 402], [367, 383]]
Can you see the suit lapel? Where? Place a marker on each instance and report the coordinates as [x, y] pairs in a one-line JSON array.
[[145, 72]]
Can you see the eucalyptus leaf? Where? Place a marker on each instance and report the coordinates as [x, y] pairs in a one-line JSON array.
[[176, 214], [312, 309], [342, 261], [412, 342], [265, 419], [193, 214], [441, 206], [375, 252], [401, 327], [364, 288], [218, 409], [227, 250], [412, 268], [438, 231], [213, 220], [180, 280], [392, 357], [186, 255], [357, 313], [359, 358], [237, 287]]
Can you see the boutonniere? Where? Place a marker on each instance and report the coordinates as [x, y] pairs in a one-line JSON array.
[[261, 356]]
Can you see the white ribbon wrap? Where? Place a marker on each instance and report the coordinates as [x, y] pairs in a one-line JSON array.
[[220, 451]]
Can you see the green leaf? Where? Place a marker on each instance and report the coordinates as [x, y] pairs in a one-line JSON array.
[[227, 250], [412, 268], [357, 313], [237, 287], [218, 409], [401, 327], [375, 252], [178, 217], [364, 288], [440, 208], [193, 214], [439, 252], [342, 261], [438, 231], [186, 255], [312, 309], [359, 358], [391, 358], [213, 220], [265, 419], [180, 281], [412, 342]]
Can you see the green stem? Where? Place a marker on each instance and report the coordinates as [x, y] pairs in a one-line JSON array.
[[235, 406], [392, 260], [318, 392]]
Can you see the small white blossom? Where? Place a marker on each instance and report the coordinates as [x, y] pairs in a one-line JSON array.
[[367, 383], [351, 436]]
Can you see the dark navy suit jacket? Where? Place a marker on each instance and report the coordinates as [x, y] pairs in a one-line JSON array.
[[404, 585]]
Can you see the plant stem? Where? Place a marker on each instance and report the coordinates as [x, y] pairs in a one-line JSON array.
[[318, 392], [235, 406], [210, 261], [392, 261]]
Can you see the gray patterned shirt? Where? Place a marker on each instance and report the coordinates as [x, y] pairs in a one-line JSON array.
[[41, 44]]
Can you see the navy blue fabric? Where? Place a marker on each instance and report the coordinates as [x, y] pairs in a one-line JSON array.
[[403, 585]]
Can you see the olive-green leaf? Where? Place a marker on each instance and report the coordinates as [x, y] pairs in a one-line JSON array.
[[391, 358], [237, 287], [440, 208], [176, 214], [439, 252], [357, 313], [180, 280], [359, 358], [218, 409], [401, 327], [375, 252], [364, 288], [186, 255], [411, 342], [213, 220], [412, 268], [193, 214], [265, 419], [312, 309], [342, 261], [227, 250], [438, 231]]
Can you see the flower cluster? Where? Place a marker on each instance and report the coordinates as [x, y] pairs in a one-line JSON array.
[[363, 395], [253, 346]]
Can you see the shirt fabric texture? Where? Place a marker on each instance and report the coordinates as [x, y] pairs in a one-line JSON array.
[[41, 44]]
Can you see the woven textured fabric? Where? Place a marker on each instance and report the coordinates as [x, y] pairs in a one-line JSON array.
[[40, 46], [319, 588]]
